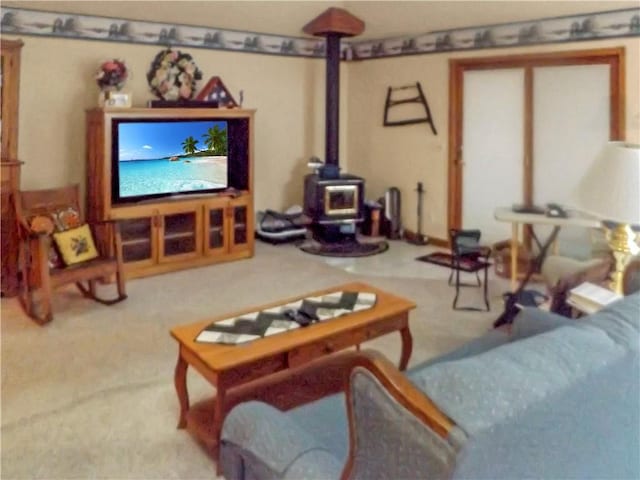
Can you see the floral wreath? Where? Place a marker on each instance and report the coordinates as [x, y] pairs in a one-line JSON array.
[[173, 75], [112, 74]]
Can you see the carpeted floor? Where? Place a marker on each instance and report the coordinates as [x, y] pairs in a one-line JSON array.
[[91, 395]]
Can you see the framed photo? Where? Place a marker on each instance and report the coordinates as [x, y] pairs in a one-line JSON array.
[[117, 100]]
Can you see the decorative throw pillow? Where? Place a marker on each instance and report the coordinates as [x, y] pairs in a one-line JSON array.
[[76, 245], [44, 224], [57, 219], [67, 218], [41, 224]]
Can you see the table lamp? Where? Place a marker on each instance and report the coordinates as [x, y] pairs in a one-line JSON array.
[[611, 190]]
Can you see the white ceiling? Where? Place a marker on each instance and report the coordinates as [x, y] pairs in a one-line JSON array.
[[382, 18]]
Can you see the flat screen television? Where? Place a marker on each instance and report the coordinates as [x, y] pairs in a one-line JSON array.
[[157, 157]]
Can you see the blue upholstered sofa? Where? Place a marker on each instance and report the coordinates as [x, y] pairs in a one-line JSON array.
[[551, 398]]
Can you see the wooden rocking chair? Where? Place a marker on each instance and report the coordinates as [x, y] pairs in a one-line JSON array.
[[39, 213]]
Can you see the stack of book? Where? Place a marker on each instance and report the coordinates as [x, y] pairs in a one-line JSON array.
[[589, 297]]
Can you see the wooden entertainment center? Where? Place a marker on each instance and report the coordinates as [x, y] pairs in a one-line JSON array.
[[177, 231]]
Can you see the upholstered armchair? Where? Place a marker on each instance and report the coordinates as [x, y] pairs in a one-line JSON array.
[[395, 431]]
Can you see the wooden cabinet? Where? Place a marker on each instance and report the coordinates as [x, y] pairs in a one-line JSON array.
[[10, 83], [182, 234], [179, 233], [138, 246], [241, 225], [10, 181], [160, 234], [8, 230], [167, 234], [216, 229], [227, 229]]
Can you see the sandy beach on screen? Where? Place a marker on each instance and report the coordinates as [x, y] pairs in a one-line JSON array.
[[212, 169], [218, 160]]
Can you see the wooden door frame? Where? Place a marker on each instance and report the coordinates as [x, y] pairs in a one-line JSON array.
[[614, 57]]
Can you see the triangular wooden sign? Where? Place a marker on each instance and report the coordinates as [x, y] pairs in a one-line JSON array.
[[215, 91]]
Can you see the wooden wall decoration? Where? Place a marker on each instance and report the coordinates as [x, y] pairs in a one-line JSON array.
[[421, 114], [215, 91]]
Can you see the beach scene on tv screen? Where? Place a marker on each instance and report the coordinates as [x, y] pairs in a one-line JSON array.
[[171, 157]]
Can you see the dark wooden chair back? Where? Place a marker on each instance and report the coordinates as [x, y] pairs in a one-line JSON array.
[[36, 202]]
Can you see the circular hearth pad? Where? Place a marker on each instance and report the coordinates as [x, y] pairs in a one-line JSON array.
[[351, 248]]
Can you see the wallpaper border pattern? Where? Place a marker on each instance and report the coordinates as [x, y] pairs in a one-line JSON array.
[[601, 25]]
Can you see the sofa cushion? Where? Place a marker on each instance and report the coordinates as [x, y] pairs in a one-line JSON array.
[[532, 321], [491, 339], [589, 431], [620, 320], [478, 392]]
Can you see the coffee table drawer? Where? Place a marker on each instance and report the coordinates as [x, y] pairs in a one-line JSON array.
[[306, 353], [254, 370], [326, 346]]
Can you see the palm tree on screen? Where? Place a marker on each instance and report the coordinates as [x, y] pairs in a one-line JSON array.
[[216, 140], [189, 145]]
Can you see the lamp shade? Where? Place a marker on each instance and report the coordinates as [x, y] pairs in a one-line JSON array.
[[611, 187]]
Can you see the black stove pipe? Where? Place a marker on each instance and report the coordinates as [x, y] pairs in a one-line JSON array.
[[332, 99]]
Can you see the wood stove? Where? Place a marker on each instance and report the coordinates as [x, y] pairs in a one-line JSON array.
[[334, 205], [332, 200]]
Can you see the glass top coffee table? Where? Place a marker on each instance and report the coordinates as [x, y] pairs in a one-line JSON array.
[[231, 368]]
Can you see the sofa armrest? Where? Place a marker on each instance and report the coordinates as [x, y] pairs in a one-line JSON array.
[[260, 441], [401, 389], [395, 430]]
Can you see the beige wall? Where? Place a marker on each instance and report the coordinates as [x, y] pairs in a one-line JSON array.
[[403, 156], [57, 85]]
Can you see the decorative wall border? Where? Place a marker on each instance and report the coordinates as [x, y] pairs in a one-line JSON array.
[[611, 24], [85, 27]]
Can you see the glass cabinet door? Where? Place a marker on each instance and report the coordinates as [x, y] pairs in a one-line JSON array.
[[241, 228], [137, 239], [240, 225], [216, 228], [179, 234]]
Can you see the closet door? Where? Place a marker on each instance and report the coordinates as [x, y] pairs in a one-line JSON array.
[[571, 118], [492, 148]]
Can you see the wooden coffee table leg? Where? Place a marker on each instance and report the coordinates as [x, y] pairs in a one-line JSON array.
[[218, 413], [180, 381], [218, 418], [407, 347]]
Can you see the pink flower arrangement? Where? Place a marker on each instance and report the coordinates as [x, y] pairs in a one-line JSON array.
[[173, 75], [112, 75]]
